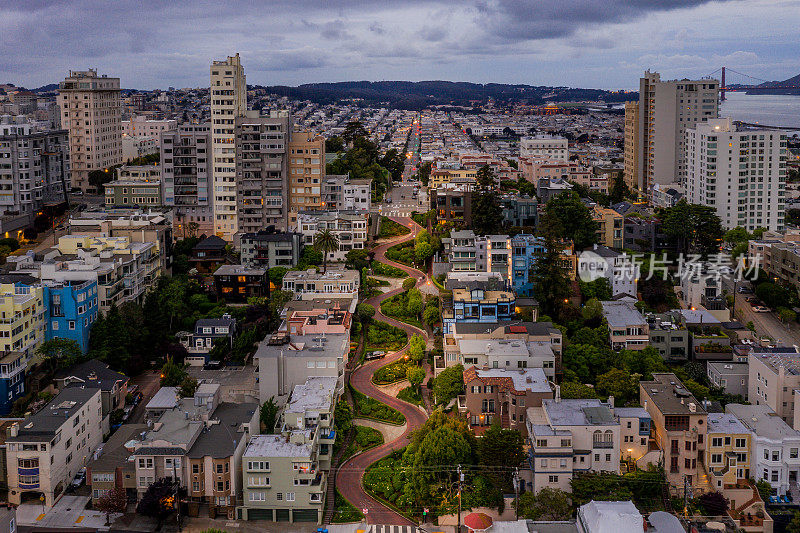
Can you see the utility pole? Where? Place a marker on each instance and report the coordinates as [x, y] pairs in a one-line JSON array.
[[177, 493], [516, 492], [460, 480]]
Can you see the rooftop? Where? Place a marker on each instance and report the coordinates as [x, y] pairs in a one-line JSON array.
[[670, 396], [115, 452], [42, 425], [311, 274], [725, 423], [762, 421], [330, 345], [315, 395], [280, 445], [94, 373], [622, 313], [164, 398], [239, 270], [220, 440], [580, 412], [529, 379], [788, 360]]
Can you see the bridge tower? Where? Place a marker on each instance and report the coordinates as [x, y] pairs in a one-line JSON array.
[[722, 86]]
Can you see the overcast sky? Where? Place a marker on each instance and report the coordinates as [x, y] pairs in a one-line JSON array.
[[580, 43]]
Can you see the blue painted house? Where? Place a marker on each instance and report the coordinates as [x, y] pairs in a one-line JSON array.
[[477, 305], [12, 379], [72, 308], [524, 250]]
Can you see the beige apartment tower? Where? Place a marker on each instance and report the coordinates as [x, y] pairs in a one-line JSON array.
[[91, 112], [631, 174], [666, 110], [228, 101], [306, 171]]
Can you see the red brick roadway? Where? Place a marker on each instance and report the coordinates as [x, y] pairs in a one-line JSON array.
[[350, 474]]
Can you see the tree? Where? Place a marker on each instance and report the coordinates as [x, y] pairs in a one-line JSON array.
[[414, 305], [276, 275], [353, 130], [573, 218], [343, 416], [619, 189], [422, 251], [172, 374], [794, 525], [113, 501], [269, 415], [365, 312], [487, 215], [599, 288], [11, 243], [619, 384], [188, 387], [694, 228], [431, 316], [357, 259], [736, 235], [786, 315], [485, 177], [574, 390], [158, 501], [448, 384], [592, 309], [415, 376], [326, 242], [714, 503], [548, 504], [500, 450], [550, 283], [334, 144], [772, 294], [416, 348], [409, 283], [424, 172], [60, 353]]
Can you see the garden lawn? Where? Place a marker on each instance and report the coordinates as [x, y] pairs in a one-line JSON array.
[[402, 253], [396, 306], [392, 372], [382, 269], [390, 228], [366, 407], [365, 438], [411, 395], [383, 336]]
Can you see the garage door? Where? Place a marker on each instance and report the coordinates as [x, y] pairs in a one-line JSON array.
[[305, 515], [259, 514], [282, 515]]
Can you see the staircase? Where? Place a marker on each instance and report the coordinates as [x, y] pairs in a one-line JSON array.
[[330, 495]]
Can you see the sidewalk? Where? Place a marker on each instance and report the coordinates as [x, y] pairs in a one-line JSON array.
[[69, 511]]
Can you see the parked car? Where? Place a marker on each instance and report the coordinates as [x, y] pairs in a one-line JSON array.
[[745, 290], [80, 477], [760, 309], [212, 365]]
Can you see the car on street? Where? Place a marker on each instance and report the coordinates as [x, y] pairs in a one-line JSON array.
[[760, 309], [80, 477], [745, 290]]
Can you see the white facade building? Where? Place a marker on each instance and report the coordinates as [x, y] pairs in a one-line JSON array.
[[228, 101], [349, 227], [740, 173], [544, 147]]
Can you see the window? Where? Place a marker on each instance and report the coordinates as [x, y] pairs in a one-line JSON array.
[[195, 486], [197, 468], [716, 441], [258, 466], [290, 496], [145, 462], [742, 443], [107, 478], [260, 496], [553, 479], [792, 452]]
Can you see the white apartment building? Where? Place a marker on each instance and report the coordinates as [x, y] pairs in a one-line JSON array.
[[342, 193], [34, 168], [571, 436], [228, 101], [133, 147], [775, 446], [740, 173], [45, 451], [774, 380], [666, 109], [141, 126], [544, 147], [349, 227], [91, 112], [334, 283]]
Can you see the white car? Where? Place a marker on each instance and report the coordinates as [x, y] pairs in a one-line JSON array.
[[760, 309]]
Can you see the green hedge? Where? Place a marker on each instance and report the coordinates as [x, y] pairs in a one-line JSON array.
[[391, 373], [366, 407], [402, 253], [390, 228], [382, 336], [344, 511], [410, 395], [381, 269]]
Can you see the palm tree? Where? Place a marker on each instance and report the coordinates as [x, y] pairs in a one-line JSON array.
[[326, 242]]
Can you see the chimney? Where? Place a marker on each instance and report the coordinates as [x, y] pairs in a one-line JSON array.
[[645, 405], [611, 402], [14, 431], [558, 393]]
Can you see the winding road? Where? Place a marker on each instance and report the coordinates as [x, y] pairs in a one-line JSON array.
[[350, 474]]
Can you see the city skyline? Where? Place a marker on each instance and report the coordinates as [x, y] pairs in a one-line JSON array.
[[572, 43]]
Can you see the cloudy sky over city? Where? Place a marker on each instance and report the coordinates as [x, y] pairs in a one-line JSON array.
[[586, 43]]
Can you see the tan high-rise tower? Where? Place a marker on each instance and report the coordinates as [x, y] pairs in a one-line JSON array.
[[306, 171], [91, 112], [632, 154], [666, 110], [228, 101]]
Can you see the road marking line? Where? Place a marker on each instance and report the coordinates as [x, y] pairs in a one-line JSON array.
[[40, 516], [79, 520]]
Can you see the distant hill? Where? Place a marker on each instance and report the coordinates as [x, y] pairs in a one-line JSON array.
[[46, 88], [417, 95], [790, 86]]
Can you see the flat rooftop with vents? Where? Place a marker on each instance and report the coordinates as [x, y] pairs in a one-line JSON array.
[[669, 395]]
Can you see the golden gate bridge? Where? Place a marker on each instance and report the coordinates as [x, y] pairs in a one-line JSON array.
[[747, 82]]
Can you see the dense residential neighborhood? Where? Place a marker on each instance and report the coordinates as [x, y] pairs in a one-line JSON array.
[[228, 309]]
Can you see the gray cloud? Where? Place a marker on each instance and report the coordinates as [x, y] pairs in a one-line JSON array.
[[152, 43]]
